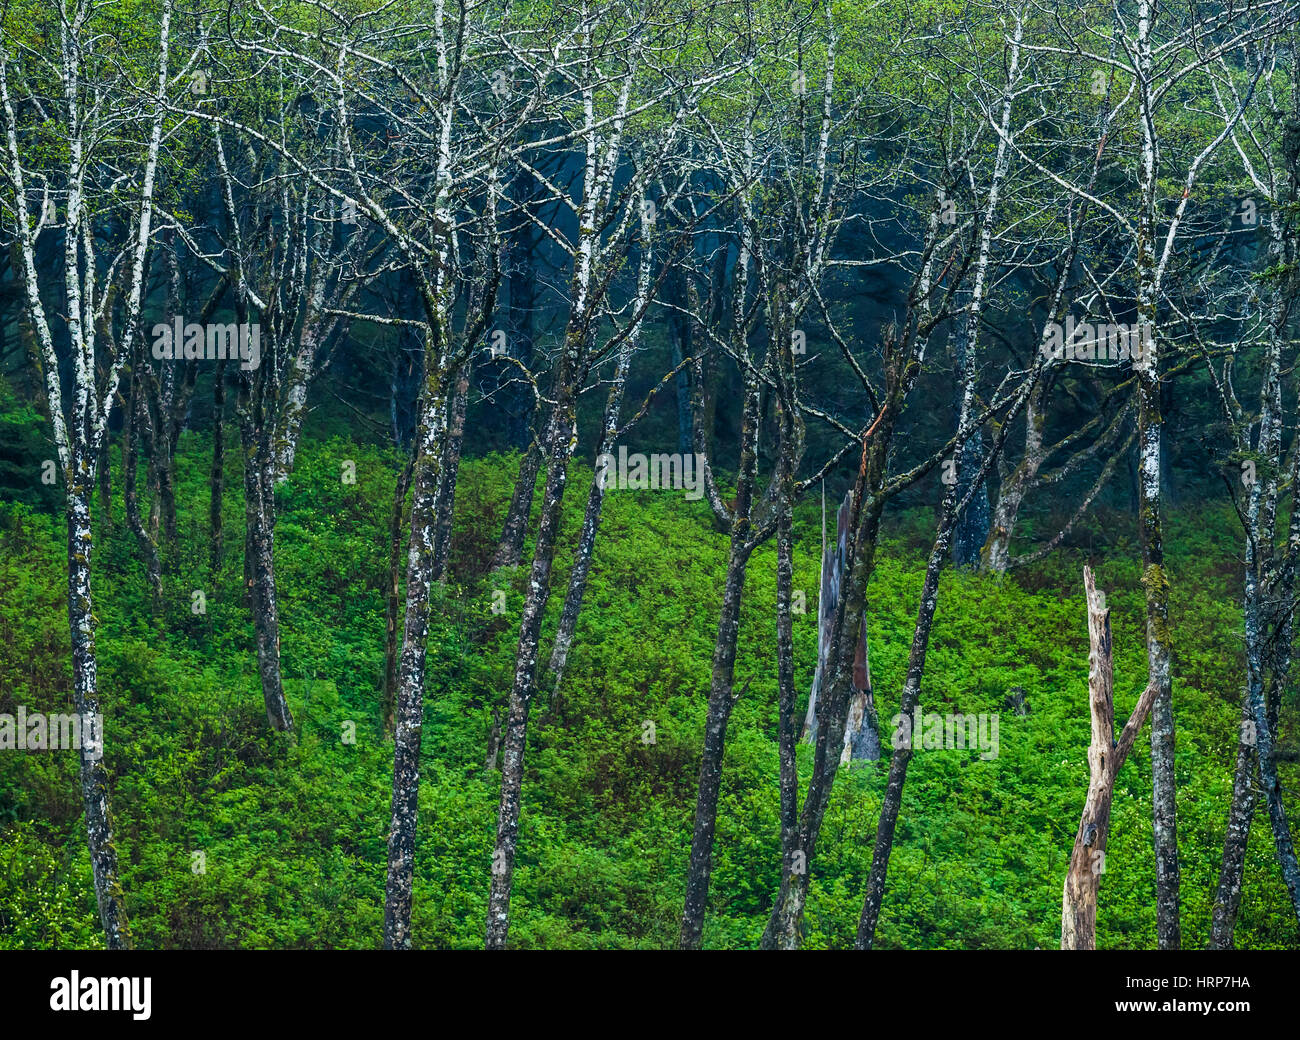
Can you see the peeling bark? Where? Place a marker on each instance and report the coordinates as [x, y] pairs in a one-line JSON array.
[[1105, 759]]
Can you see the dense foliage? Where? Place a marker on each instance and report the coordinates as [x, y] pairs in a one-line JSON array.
[[292, 834]]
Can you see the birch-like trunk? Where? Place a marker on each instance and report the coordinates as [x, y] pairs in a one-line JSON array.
[[1155, 581], [722, 696], [259, 553], [603, 150], [217, 474], [297, 380], [450, 468], [561, 437], [393, 605], [515, 529], [596, 496], [80, 431], [1241, 813], [410, 685], [85, 696], [133, 428]]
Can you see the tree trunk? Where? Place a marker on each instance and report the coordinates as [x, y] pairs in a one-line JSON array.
[[259, 550], [1105, 758], [861, 738], [596, 496], [85, 692], [893, 799], [972, 528], [1227, 898], [722, 696], [721, 701], [1265, 743], [132, 436], [1155, 581], [410, 687], [511, 547], [392, 608], [301, 368], [217, 475], [793, 859], [560, 439], [165, 429], [996, 554], [450, 467]]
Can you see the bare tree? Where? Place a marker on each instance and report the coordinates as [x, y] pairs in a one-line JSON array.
[[610, 53], [56, 99], [1106, 757]]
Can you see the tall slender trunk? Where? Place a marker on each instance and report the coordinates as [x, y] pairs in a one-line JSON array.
[[560, 438], [1106, 757], [163, 431], [513, 531], [1263, 714], [1267, 652], [217, 474], [440, 361], [722, 699], [893, 799], [132, 437], [258, 400], [85, 693], [259, 548], [410, 685], [596, 496], [722, 696], [787, 722], [392, 607], [1155, 581], [972, 527], [1261, 535], [450, 467], [793, 859], [1241, 812]]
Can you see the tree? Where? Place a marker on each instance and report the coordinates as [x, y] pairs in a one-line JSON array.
[[63, 146], [1106, 757]]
